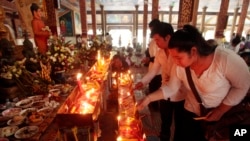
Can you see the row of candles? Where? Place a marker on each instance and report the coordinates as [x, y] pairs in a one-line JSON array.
[[129, 126], [89, 88]]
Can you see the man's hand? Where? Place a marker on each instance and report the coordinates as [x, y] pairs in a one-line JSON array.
[[143, 103], [217, 113], [139, 85]]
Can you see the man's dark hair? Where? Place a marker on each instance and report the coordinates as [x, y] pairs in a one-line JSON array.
[[163, 29], [34, 7], [154, 23]]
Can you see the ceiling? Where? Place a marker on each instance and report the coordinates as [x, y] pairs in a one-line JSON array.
[[129, 5]]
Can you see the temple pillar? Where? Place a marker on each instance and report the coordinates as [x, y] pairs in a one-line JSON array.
[[236, 10], [145, 24], [186, 8], [170, 14], [52, 18], [155, 6], [195, 12], [204, 9], [83, 13], [136, 23], [222, 19], [103, 20], [93, 15], [243, 16]]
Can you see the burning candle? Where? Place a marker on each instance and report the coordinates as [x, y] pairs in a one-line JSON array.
[[78, 78], [135, 109], [118, 119]]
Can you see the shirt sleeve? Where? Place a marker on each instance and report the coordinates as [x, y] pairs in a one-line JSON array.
[[237, 73], [153, 71], [173, 85]]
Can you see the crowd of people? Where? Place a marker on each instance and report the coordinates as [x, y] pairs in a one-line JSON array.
[[214, 71]]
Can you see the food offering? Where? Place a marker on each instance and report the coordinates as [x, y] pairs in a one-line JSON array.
[[34, 118], [38, 104], [36, 97], [55, 92], [27, 111], [26, 132], [3, 106], [16, 120], [45, 111], [11, 112], [25, 103], [8, 131], [3, 120]]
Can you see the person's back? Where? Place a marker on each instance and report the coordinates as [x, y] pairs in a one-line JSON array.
[[238, 44]]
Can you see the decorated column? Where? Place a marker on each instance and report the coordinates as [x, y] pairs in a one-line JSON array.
[[170, 13], [145, 24], [52, 18], [136, 22], [103, 20], [195, 12], [93, 15], [83, 13], [243, 15], [155, 6], [186, 8], [204, 9], [222, 19], [236, 10]]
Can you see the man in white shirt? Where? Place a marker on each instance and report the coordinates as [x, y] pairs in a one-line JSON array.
[[164, 62]]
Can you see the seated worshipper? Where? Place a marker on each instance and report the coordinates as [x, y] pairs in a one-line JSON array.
[[119, 64], [41, 32], [238, 44], [215, 79]]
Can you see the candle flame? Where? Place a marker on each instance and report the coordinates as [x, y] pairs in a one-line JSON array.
[[98, 55], [114, 74], [79, 75], [119, 138], [118, 117]]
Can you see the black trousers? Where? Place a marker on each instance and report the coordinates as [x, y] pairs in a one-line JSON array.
[[154, 85], [193, 129], [169, 110]]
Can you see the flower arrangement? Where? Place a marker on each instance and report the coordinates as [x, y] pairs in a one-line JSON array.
[[88, 52], [60, 54], [29, 83], [11, 71]]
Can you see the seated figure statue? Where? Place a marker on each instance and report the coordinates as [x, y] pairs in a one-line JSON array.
[[28, 52]]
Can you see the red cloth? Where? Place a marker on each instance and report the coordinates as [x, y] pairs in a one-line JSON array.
[[40, 36]]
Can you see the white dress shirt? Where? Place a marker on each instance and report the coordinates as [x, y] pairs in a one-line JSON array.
[[165, 63]]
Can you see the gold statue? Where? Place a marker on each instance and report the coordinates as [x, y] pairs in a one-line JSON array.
[[4, 31]]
